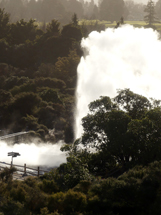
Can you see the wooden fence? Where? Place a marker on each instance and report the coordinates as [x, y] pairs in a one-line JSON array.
[[24, 169]]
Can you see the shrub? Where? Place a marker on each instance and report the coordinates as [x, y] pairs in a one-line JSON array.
[[7, 174]]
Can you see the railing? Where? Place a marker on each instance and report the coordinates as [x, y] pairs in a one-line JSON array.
[[24, 169]]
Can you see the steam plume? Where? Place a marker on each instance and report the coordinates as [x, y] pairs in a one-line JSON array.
[[32, 154], [125, 57]]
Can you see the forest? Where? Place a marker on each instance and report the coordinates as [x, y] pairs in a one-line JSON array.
[[115, 167]]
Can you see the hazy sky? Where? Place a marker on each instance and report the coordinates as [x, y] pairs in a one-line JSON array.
[[137, 1], [141, 1]]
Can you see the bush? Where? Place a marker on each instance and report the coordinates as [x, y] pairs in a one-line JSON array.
[[7, 174]]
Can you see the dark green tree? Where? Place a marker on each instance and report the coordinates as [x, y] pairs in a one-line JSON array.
[[22, 31], [75, 19], [4, 23], [126, 129], [53, 28], [71, 31], [150, 18]]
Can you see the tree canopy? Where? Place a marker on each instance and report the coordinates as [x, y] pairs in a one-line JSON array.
[[125, 128]]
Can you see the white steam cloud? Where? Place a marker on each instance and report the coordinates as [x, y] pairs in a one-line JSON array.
[[32, 154], [125, 57]]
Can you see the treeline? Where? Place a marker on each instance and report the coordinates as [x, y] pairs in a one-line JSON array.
[[44, 11], [62, 10], [38, 77]]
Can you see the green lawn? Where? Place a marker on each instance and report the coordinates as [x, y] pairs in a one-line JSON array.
[[109, 24]]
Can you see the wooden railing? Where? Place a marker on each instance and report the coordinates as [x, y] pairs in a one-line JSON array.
[[24, 169]]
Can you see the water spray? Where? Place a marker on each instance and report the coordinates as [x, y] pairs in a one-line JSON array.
[[126, 57]]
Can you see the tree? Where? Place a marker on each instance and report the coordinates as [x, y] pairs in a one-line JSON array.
[[25, 103], [4, 23], [150, 10], [66, 68], [71, 31], [135, 10], [125, 128], [22, 31], [75, 19], [53, 28]]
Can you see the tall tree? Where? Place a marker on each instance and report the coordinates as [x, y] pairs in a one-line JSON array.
[[4, 23], [150, 18], [75, 19]]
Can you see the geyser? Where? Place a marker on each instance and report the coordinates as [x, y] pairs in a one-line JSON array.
[[125, 57]]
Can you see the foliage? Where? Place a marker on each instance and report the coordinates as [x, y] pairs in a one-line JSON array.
[[124, 131], [4, 23], [66, 68], [136, 192], [71, 31], [150, 10], [22, 31], [6, 174], [75, 19], [25, 103], [68, 202], [53, 28]]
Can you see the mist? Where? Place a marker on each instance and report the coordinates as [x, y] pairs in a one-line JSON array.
[[125, 57], [33, 154], [142, 1]]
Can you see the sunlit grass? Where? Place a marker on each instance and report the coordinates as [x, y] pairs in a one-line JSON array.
[[138, 24]]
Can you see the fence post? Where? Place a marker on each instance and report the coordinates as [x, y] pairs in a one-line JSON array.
[[11, 163], [24, 169], [38, 171]]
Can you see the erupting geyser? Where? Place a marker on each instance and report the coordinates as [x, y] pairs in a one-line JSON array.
[[125, 57]]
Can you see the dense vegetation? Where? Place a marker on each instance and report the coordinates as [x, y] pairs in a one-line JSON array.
[[38, 76], [117, 171], [136, 192], [115, 167]]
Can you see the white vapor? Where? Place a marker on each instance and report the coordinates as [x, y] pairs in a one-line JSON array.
[[33, 154], [125, 57]]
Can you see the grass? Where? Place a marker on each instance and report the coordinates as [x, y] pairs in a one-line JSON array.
[[138, 24]]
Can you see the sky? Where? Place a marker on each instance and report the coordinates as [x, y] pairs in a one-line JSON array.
[[142, 1], [138, 1]]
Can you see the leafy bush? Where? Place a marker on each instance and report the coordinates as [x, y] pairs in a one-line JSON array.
[[7, 174]]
